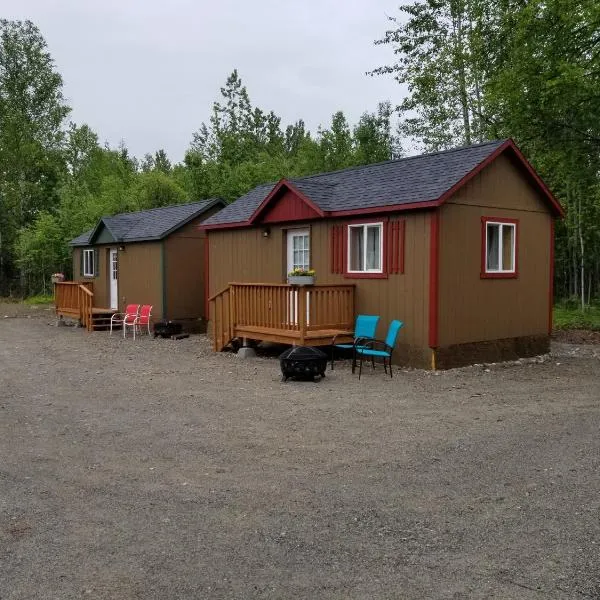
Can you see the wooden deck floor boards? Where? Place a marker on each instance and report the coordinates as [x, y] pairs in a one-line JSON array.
[[315, 337]]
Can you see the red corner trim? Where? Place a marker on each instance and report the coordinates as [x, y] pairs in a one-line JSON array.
[[434, 256], [551, 286], [206, 279], [484, 222]]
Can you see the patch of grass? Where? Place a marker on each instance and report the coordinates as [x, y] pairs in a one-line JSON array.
[[566, 317], [39, 299]]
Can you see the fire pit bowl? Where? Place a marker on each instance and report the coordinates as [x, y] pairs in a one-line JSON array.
[[166, 329], [304, 363]]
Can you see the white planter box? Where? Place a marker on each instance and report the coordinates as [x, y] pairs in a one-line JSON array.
[[301, 279]]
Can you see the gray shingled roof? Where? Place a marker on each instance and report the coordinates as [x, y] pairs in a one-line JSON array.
[[408, 180], [153, 224]]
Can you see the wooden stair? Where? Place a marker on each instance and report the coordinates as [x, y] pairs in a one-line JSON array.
[[101, 319]]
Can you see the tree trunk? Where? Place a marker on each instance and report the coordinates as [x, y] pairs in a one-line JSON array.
[[582, 257], [459, 57]]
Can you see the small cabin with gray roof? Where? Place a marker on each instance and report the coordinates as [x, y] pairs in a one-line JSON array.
[[456, 244], [152, 257]]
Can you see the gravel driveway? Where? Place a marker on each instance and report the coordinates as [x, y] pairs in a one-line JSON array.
[[157, 469]]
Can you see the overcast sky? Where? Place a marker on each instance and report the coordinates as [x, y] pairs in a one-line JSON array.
[[148, 71]]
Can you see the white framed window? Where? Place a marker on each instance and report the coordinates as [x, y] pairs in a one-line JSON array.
[[365, 248], [500, 252], [87, 257], [300, 249]]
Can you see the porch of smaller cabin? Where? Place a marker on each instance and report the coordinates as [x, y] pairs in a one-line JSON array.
[[75, 300], [282, 313]]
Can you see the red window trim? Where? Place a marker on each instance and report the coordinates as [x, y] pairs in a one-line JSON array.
[[384, 250], [485, 274]]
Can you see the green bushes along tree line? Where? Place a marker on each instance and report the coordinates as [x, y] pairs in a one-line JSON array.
[[474, 70]]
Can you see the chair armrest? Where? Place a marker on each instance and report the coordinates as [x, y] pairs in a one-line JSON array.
[[335, 337], [361, 341], [374, 344]]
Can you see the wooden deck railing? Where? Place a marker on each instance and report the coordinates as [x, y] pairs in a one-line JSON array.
[[280, 312], [76, 300]]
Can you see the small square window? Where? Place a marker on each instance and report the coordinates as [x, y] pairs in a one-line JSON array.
[[500, 239]]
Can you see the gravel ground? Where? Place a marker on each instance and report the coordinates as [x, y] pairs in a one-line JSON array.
[[157, 469]]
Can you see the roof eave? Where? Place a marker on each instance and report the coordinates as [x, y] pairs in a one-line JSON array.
[[509, 144], [199, 212]]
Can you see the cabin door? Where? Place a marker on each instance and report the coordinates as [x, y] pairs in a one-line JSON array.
[[114, 278], [298, 257]]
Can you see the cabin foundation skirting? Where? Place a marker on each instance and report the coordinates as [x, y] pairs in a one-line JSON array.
[[461, 355]]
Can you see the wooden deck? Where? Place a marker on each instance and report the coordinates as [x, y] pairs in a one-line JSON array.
[[75, 300], [302, 316]]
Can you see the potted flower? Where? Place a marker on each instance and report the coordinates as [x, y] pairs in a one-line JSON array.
[[301, 276], [57, 277]]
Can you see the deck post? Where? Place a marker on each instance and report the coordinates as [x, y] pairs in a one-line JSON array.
[[302, 292]]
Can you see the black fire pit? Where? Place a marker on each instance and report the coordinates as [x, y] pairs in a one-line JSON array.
[[166, 329], [304, 363]]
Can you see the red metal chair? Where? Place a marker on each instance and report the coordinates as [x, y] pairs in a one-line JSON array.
[[142, 321], [127, 317]]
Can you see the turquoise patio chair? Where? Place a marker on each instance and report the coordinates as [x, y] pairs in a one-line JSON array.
[[364, 329], [372, 349]]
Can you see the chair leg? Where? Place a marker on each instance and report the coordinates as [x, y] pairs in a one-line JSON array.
[[390, 363], [332, 356], [360, 367], [373, 362], [384, 365]]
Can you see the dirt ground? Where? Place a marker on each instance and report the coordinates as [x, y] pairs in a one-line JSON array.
[[157, 469]]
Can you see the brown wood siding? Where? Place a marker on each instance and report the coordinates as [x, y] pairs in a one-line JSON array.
[[472, 309], [101, 289], [185, 272], [140, 276], [244, 255]]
